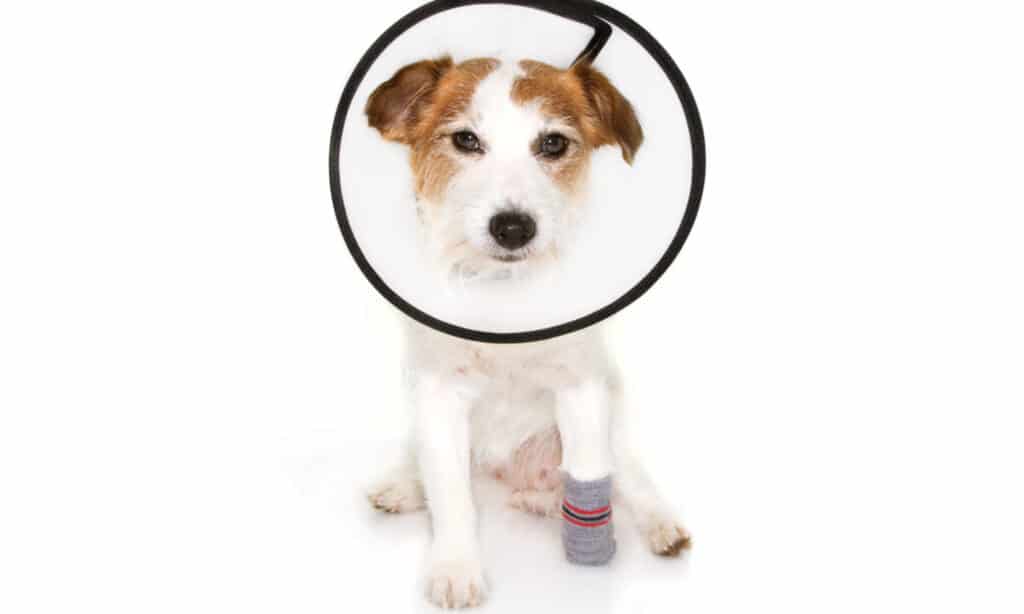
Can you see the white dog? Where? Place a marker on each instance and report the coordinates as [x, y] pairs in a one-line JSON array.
[[500, 154]]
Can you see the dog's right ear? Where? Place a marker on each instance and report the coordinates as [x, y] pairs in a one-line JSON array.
[[395, 107], [616, 118]]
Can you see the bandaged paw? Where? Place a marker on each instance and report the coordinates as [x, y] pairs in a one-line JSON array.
[[587, 529]]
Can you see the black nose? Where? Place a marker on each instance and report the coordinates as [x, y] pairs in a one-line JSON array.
[[513, 230]]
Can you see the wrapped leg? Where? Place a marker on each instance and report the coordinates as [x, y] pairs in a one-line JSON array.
[[587, 529]]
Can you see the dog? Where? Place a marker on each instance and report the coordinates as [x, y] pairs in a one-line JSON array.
[[500, 153]]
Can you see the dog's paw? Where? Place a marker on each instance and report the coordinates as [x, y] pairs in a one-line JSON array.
[[668, 538], [397, 495], [456, 584], [545, 503]]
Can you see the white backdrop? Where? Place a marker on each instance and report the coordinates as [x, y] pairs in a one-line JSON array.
[[195, 378]]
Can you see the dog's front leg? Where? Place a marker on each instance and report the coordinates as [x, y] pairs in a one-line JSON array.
[[455, 575], [584, 423]]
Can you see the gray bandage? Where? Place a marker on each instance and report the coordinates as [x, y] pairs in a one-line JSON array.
[[587, 530]]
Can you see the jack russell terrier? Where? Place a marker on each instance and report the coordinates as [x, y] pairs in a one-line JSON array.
[[500, 153]]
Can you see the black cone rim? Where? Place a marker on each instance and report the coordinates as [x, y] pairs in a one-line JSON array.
[[584, 11]]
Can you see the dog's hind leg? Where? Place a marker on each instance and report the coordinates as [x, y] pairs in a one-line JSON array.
[[399, 490], [547, 503], [654, 518]]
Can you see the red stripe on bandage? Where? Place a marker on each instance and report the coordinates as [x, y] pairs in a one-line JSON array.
[[586, 512]]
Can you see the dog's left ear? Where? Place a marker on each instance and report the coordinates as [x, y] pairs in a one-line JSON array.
[[617, 122], [395, 106]]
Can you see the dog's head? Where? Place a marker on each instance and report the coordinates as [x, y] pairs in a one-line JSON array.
[[501, 152]]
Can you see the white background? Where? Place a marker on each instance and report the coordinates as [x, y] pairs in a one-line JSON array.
[[195, 379]]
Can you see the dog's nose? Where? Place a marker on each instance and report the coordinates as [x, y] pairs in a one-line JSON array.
[[513, 230]]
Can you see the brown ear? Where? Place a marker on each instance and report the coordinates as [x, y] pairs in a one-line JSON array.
[[395, 106], [617, 122]]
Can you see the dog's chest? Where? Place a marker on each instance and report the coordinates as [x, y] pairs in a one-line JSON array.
[[514, 435], [517, 403], [513, 429]]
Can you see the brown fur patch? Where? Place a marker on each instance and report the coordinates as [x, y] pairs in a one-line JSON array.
[[420, 97], [432, 162], [561, 97], [396, 106], [586, 98], [411, 106]]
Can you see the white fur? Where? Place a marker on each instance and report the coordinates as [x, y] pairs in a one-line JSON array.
[[507, 177], [497, 408]]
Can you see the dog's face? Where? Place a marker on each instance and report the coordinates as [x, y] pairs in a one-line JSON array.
[[501, 152]]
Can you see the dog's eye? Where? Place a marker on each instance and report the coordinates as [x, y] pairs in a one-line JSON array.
[[554, 145], [466, 141]]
